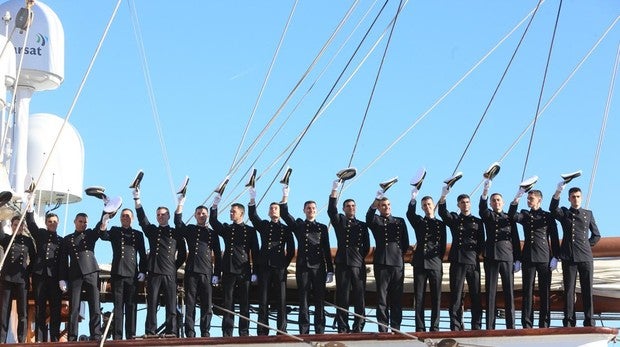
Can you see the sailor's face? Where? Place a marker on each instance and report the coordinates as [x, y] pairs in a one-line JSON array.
[[201, 215], [533, 201], [465, 206], [126, 218], [51, 223], [163, 215], [385, 208], [497, 203], [428, 206], [310, 211], [349, 209], [14, 225], [236, 214], [81, 223], [274, 211], [575, 199]]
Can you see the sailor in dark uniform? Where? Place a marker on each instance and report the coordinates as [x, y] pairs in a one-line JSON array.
[[430, 234], [45, 275], [467, 245], [80, 271], [127, 271], [276, 252], [202, 268], [241, 245], [502, 254], [167, 253], [314, 265], [391, 242], [15, 279], [580, 234], [540, 245], [353, 246]]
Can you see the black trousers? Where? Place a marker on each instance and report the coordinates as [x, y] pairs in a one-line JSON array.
[[585, 269], [269, 279], [493, 269], [420, 278], [46, 291], [242, 283], [459, 273], [389, 295], [90, 284], [311, 281], [350, 280], [124, 290], [155, 285], [544, 280], [198, 286], [8, 291]]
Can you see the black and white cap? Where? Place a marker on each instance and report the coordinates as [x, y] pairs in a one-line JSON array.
[[418, 178], [346, 174], [567, 177], [452, 180], [529, 183], [385, 185], [492, 171], [136, 181]]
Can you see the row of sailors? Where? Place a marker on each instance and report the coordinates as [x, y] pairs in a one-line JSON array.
[[68, 264]]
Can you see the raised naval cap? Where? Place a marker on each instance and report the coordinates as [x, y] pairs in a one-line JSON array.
[[112, 205], [287, 176], [385, 185], [492, 171], [222, 186], [567, 177], [5, 197], [346, 174], [529, 183], [418, 178], [452, 180], [136, 181], [96, 191], [183, 188], [252, 179]]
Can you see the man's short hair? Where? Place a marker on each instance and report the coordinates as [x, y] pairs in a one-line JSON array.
[[383, 199], [428, 197], [273, 203], [201, 207], [536, 193], [127, 210], [494, 194], [461, 197], [344, 203], [51, 215], [239, 206], [18, 217], [574, 190], [81, 214], [309, 202], [163, 208]]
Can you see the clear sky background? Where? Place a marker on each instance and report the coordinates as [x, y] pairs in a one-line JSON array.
[[208, 60]]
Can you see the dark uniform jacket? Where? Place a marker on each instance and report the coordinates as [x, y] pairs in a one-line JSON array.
[[391, 238], [577, 224], [430, 234], [48, 248], [502, 238], [16, 268], [241, 245], [127, 245], [540, 234], [313, 250], [77, 254], [277, 244], [167, 250], [203, 244], [467, 236], [352, 237]]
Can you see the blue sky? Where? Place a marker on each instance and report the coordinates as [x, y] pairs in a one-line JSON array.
[[208, 60]]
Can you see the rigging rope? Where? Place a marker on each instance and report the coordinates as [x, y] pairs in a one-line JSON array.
[[374, 86], [471, 139], [262, 89], [603, 127], [151, 94], [542, 89]]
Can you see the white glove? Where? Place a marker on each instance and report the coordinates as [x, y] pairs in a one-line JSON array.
[[330, 277], [553, 264], [285, 190], [62, 284], [215, 280], [379, 194], [104, 221], [561, 186], [217, 199], [141, 277], [336, 184], [253, 278], [180, 200], [136, 194], [487, 184], [30, 201], [252, 192], [445, 190], [517, 266], [414, 193], [519, 193]]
